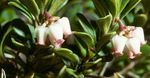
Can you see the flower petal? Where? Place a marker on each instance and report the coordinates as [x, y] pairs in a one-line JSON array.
[[133, 45], [138, 33], [55, 32], [66, 26], [41, 35], [118, 43]]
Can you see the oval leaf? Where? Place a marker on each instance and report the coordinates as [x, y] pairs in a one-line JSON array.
[[129, 7], [87, 27], [104, 23], [56, 5], [86, 38], [67, 54]]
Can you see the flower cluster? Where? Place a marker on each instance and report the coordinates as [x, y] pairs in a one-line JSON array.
[[128, 40], [54, 32]]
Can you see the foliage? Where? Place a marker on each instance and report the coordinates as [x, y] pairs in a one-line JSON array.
[[87, 54]]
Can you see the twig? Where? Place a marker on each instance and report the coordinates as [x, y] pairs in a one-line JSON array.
[[104, 69], [128, 67]]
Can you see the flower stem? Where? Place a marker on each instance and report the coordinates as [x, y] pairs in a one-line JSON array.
[[121, 25]]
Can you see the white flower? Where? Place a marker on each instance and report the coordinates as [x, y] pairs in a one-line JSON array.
[[118, 43], [138, 33], [55, 32], [64, 21], [133, 46], [41, 34]]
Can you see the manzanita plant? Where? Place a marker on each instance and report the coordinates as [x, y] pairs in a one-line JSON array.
[[42, 43]]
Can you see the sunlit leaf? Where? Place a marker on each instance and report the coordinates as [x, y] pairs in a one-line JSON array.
[[56, 5], [104, 23], [129, 7]]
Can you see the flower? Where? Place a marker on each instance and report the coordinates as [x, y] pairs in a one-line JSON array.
[[55, 32], [54, 28], [118, 43], [133, 46], [138, 33], [129, 40], [64, 21], [41, 34]]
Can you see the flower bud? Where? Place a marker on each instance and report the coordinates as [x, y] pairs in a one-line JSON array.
[[118, 43], [55, 32]]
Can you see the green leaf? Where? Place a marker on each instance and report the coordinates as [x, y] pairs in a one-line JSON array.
[[81, 47], [21, 29], [40, 4], [100, 7], [104, 23], [22, 8], [90, 64], [71, 72], [56, 5], [32, 6], [87, 27], [123, 4], [7, 15], [3, 73], [145, 50], [67, 54], [104, 39], [86, 38], [48, 4], [2, 42], [129, 7], [140, 20], [62, 71], [113, 6]]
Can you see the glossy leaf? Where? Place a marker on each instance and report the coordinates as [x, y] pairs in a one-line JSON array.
[[87, 27], [22, 8], [48, 4], [21, 29], [123, 4], [129, 7], [67, 54], [100, 7], [90, 64], [32, 6], [86, 38], [62, 71], [71, 72], [56, 5], [40, 4], [113, 6], [81, 47], [2, 42], [104, 23]]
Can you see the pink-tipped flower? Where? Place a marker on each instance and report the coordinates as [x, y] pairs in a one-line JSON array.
[[138, 33], [55, 32], [64, 21], [41, 34], [118, 43], [133, 46]]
